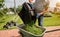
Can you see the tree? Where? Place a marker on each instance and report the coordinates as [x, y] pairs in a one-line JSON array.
[[1, 3]]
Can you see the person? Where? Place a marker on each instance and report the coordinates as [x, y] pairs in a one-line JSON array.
[[26, 13], [32, 10], [41, 7]]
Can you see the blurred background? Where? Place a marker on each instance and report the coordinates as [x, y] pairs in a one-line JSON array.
[[9, 8]]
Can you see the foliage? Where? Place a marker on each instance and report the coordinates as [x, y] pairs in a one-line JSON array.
[[48, 14], [48, 21], [33, 29], [3, 11], [1, 3], [57, 13], [11, 9], [19, 8], [5, 19]]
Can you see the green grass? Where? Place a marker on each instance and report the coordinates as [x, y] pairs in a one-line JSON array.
[[48, 21], [52, 21], [19, 21], [33, 29], [5, 19]]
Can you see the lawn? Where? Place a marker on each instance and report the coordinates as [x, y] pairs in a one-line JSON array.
[[51, 21], [48, 21], [6, 18]]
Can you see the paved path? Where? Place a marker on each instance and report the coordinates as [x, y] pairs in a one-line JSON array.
[[52, 28], [54, 33], [14, 32]]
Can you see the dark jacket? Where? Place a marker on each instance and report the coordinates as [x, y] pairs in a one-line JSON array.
[[25, 14]]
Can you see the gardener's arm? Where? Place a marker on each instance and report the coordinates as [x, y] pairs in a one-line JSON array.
[[43, 11]]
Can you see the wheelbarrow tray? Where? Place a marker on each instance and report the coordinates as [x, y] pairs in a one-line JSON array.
[[29, 34]]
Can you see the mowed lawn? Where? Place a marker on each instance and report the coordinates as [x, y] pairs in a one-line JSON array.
[[7, 18], [52, 21], [48, 21]]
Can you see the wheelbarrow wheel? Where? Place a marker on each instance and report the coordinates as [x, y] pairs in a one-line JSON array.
[[21, 34]]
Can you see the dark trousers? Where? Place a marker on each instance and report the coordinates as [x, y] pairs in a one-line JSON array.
[[40, 20]]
